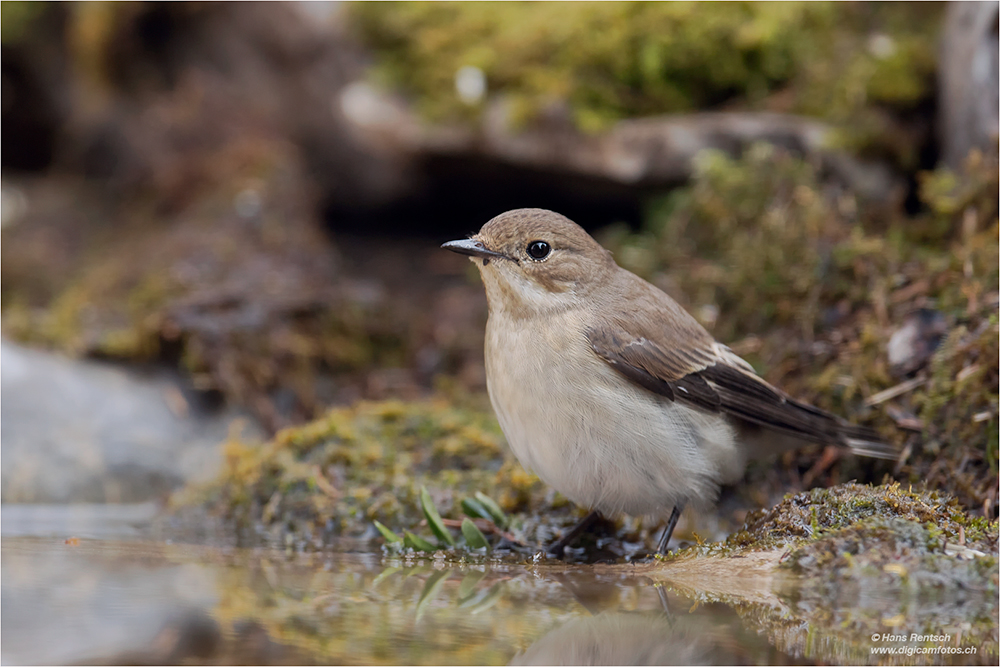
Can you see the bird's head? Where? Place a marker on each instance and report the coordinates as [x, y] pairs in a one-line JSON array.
[[535, 261]]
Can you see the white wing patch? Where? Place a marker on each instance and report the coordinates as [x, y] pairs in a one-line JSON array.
[[727, 356]]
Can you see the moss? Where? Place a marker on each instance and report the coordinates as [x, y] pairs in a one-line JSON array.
[[957, 203], [959, 403], [937, 585], [827, 283], [860, 560], [608, 61], [335, 475], [256, 310], [767, 200], [800, 521], [18, 19], [892, 547]]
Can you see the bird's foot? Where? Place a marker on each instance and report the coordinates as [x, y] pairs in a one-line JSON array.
[[558, 548]]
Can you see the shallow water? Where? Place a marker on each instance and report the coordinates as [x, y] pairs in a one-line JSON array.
[[87, 585], [122, 602]]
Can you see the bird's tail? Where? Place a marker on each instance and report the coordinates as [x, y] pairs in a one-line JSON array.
[[864, 441]]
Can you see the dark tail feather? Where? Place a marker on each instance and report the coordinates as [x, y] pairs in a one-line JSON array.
[[745, 395], [864, 441]]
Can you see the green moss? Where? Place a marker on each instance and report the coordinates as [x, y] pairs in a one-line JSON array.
[[334, 476], [806, 519], [861, 560], [937, 584], [957, 203], [608, 61], [18, 19], [887, 547], [856, 561], [810, 287], [768, 201]]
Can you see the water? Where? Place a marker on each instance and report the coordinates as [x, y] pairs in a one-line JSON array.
[[87, 585]]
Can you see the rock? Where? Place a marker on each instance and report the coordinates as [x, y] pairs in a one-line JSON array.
[[175, 101], [914, 342], [84, 431], [968, 77], [639, 154]]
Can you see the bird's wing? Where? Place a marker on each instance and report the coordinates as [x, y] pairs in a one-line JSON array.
[[676, 358]]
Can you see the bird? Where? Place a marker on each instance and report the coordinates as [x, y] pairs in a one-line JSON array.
[[611, 392]]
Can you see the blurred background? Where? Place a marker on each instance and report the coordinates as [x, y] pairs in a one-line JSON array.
[[215, 211]]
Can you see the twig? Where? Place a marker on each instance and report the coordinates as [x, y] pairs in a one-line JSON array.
[[324, 486], [829, 457], [904, 419], [893, 392], [483, 525], [966, 372], [910, 291]]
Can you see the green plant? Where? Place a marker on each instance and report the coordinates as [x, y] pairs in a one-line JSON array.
[[481, 508]]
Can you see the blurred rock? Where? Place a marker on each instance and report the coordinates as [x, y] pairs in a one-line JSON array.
[[915, 341], [83, 431], [643, 154], [969, 81], [170, 100]]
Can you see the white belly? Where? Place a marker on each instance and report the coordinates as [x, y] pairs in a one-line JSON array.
[[598, 439]]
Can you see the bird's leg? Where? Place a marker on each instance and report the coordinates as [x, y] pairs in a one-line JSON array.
[[557, 548], [663, 601], [669, 530]]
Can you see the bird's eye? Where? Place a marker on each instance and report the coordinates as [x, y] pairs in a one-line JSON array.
[[539, 249]]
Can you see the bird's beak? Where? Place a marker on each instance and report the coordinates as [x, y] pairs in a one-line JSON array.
[[473, 248]]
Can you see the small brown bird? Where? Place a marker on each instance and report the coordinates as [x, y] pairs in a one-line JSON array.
[[610, 391]]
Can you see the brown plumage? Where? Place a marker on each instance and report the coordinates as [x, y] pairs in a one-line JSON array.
[[694, 369]]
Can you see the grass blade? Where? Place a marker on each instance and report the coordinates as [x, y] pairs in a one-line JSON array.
[[473, 536], [389, 536], [483, 599], [475, 509], [499, 518], [416, 542], [434, 518]]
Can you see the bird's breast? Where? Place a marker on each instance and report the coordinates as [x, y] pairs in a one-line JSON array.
[[535, 372], [590, 433]]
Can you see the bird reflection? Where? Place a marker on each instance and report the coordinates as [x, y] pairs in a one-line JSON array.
[[622, 639]]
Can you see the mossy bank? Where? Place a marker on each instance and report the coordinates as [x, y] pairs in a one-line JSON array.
[[334, 477], [882, 316]]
